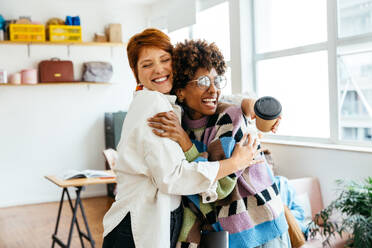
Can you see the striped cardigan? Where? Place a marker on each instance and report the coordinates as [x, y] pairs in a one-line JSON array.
[[249, 206]]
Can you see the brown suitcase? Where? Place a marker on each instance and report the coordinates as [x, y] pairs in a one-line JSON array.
[[56, 70]]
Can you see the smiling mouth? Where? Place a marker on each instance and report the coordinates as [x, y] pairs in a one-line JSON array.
[[209, 102], [160, 80]]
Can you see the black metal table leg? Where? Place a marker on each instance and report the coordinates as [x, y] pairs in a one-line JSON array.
[[58, 217], [74, 211], [89, 237], [78, 203]]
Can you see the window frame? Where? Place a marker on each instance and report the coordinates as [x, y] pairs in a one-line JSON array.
[[330, 46]]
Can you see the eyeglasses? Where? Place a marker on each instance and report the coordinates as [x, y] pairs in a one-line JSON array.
[[204, 82]]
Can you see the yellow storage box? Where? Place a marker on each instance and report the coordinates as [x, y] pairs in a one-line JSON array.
[[27, 32], [63, 33]]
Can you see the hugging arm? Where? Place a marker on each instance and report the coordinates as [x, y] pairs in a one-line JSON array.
[[166, 164], [173, 174], [247, 106], [166, 125], [216, 152]]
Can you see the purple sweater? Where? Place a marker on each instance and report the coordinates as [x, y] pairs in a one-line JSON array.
[[249, 207]]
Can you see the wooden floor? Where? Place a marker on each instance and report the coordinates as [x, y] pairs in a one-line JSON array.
[[32, 226]]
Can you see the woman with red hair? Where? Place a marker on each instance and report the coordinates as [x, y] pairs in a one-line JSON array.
[[153, 172]]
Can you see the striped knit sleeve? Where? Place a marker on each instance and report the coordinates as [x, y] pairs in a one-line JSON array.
[[190, 233], [227, 132], [195, 155], [192, 153]]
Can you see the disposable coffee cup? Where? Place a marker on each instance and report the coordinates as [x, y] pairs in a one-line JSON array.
[[267, 110]]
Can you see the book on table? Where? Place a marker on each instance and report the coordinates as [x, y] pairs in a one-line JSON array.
[[73, 174]]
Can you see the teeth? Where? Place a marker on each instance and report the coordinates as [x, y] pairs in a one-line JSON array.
[[160, 79], [209, 100]]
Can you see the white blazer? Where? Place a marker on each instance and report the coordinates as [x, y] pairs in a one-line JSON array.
[[151, 171]]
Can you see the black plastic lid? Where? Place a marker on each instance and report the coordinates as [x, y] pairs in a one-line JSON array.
[[267, 108]]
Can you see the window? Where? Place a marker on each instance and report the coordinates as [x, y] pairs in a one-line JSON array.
[[355, 86], [179, 35], [318, 64], [289, 23], [212, 24], [299, 82], [354, 67], [355, 17]]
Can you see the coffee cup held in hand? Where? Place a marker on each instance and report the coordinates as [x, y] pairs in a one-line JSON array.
[[267, 110]]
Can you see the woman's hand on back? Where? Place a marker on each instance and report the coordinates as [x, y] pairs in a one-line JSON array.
[[167, 125], [245, 151]]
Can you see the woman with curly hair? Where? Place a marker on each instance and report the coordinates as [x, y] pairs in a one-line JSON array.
[[247, 204], [153, 172]]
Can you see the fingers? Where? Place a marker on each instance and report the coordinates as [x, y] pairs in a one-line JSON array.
[[172, 114], [246, 140], [160, 133], [253, 162], [276, 125], [243, 140], [164, 134], [255, 144], [163, 120], [161, 114], [249, 142], [257, 152], [159, 126]]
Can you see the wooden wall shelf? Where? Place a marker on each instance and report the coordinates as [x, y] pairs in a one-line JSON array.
[[62, 83], [63, 43]]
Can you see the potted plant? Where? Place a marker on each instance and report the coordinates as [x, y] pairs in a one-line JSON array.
[[353, 208]]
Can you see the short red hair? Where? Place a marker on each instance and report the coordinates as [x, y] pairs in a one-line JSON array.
[[150, 37]]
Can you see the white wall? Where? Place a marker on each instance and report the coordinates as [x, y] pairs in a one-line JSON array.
[[49, 129], [325, 164]]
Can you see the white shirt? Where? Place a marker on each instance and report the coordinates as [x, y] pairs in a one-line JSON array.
[[151, 171]]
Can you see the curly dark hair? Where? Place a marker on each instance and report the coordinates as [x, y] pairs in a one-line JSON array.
[[189, 56]]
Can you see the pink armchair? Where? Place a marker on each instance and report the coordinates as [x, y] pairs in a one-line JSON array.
[[311, 187]]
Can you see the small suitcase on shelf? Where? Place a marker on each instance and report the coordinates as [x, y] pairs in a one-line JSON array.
[[56, 70]]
